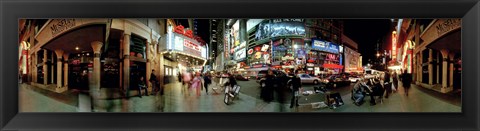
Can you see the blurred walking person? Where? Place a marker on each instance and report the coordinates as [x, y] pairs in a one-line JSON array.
[[406, 81], [387, 84], [197, 83], [187, 78], [395, 80]]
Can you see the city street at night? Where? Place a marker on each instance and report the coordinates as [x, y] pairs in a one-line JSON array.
[[249, 65], [174, 101]]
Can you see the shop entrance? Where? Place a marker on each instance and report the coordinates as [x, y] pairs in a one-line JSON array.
[[137, 70], [80, 71]]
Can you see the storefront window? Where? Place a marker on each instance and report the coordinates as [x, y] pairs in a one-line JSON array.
[[137, 47], [79, 66], [110, 61]]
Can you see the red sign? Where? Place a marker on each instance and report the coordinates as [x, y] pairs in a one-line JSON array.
[[258, 48], [250, 51], [394, 44], [188, 33], [191, 45], [179, 29]]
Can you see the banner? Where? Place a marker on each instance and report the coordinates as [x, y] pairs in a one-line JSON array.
[[280, 27], [320, 45]]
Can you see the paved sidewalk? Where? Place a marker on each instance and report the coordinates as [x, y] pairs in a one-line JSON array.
[[416, 101], [32, 99]]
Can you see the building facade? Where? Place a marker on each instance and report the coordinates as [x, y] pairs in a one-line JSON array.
[[432, 51], [97, 54]]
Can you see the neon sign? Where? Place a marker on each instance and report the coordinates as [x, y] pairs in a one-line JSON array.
[[394, 44]]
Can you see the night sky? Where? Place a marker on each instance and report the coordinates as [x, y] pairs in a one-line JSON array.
[[367, 33], [203, 27]]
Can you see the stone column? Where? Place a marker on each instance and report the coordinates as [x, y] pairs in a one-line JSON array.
[[96, 46], [420, 73], [53, 70], [59, 67], [120, 68], [65, 70], [444, 68], [451, 69], [148, 67], [34, 67], [438, 69], [162, 69], [430, 67], [45, 68], [126, 61]]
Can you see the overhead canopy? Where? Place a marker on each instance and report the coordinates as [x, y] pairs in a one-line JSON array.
[[81, 38], [451, 41]]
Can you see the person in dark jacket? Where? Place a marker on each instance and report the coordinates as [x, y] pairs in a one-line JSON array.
[[269, 83], [296, 85], [141, 85], [358, 91], [406, 81], [387, 84], [395, 80], [207, 81], [154, 82]]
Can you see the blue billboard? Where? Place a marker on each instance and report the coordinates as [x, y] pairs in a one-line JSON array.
[[326, 46]]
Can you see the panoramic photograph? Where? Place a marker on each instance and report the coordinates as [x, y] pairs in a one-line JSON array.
[[161, 65]]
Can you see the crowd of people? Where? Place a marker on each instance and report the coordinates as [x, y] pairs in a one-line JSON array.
[[381, 87], [194, 81], [275, 87]]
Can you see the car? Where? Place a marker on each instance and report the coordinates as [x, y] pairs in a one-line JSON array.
[[280, 76], [305, 78], [241, 77], [334, 81], [354, 79]]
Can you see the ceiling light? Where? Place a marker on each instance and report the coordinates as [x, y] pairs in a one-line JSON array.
[[76, 48]]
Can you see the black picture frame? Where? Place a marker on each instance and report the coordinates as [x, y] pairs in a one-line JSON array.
[[12, 10]]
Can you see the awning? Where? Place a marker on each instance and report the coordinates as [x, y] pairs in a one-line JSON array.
[[333, 66]]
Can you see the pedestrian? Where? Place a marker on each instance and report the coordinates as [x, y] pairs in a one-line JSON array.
[[376, 90], [197, 83], [141, 85], [296, 85], [207, 81], [280, 84], [269, 86], [20, 80], [187, 77], [387, 84], [406, 81], [358, 91], [153, 80], [395, 80], [179, 77]]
